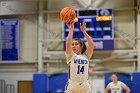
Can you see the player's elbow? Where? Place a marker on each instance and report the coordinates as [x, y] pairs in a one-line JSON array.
[[128, 90], [106, 90], [91, 46]]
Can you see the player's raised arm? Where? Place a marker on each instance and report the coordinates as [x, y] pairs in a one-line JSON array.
[[69, 39], [90, 46]]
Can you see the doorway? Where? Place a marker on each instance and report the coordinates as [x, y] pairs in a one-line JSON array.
[[25, 87]]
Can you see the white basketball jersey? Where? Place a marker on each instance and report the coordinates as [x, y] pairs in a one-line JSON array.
[[78, 67], [116, 88]]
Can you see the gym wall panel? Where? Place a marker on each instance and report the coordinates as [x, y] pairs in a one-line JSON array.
[[138, 41], [58, 4], [120, 66], [16, 7], [28, 38], [124, 27], [0, 6], [56, 68], [114, 3], [53, 32], [138, 2], [85, 3]]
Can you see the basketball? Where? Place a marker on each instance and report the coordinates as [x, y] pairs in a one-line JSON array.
[[67, 14]]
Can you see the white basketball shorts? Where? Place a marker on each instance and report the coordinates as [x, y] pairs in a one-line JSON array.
[[77, 87]]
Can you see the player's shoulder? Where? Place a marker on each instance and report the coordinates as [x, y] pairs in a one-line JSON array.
[[120, 82], [111, 83], [70, 57], [85, 55]]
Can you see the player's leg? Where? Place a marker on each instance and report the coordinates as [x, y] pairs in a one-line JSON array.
[[85, 90], [68, 91], [68, 88]]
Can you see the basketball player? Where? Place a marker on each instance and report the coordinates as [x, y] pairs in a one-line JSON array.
[[78, 55], [116, 86]]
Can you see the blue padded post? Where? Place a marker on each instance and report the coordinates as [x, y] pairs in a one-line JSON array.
[[39, 83], [57, 83], [136, 82]]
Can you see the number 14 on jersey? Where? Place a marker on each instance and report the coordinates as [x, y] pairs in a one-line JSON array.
[[80, 69]]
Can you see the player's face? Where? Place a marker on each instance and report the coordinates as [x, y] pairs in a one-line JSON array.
[[114, 78], [76, 47]]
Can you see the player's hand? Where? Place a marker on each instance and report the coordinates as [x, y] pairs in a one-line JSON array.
[[70, 26], [83, 26]]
